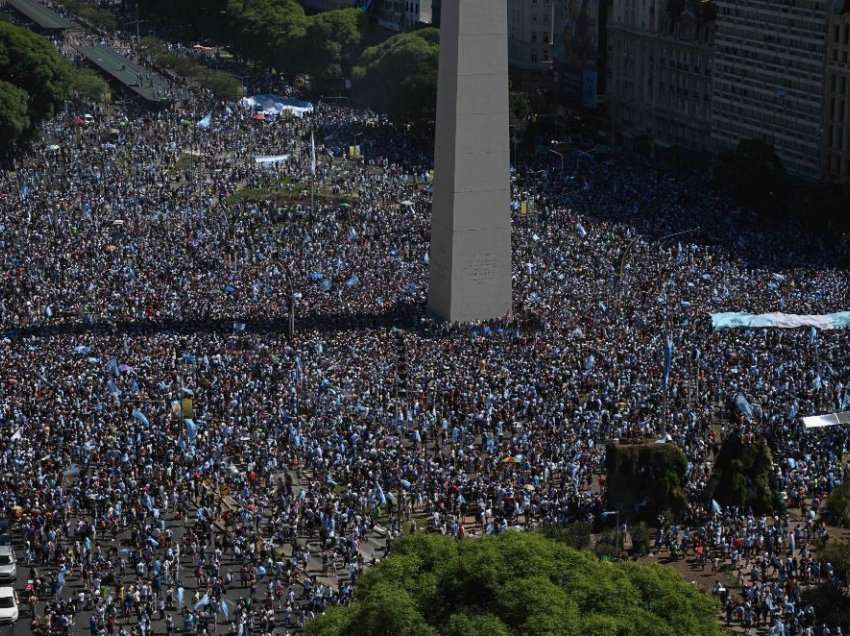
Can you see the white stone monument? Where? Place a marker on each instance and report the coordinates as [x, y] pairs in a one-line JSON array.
[[471, 223]]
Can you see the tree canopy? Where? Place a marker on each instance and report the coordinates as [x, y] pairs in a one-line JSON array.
[[32, 64], [399, 76], [647, 474], [743, 476], [270, 31], [332, 44], [36, 82], [753, 173], [515, 584], [14, 118]]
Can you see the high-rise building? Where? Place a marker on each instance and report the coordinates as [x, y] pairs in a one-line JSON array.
[[836, 130], [530, 34], [403, 15], [560, 42], [768, 78], [660, 72], [329, 5]]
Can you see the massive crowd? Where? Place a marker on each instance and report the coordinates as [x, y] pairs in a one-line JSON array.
[[174, 454]]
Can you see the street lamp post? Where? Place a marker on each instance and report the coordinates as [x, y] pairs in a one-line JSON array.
[[558, 154], [616, 513]]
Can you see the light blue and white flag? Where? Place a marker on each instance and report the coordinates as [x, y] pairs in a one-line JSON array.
[[668, 360], [140, 418], [743, 405]]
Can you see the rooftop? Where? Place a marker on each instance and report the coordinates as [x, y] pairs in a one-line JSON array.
[[41, 15], [142, 81]]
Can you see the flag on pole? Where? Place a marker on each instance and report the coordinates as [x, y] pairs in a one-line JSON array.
[[312, 154], [668, 359], [202, 602], [140, 418], [744, 406], [191, 430]]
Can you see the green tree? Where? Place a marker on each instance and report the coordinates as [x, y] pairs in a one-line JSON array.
[[648, 478], [516, 584], [193, 18], [101, 18], [476, 625], [831, 603], [331, 44], [743, 476], [838, 505], [399, 76], [754, 175], [520, 115], [269, 31], [90, 87], [223, 85], [31, 63], [14, 120]]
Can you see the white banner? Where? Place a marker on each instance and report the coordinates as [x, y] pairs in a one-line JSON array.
[[743, 320], [830, 419]]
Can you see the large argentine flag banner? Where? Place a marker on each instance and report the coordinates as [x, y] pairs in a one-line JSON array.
[[777, 320]]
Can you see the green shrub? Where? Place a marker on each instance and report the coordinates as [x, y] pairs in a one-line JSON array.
[[837, 552], [515, 584], [645, 479], [576, 535], [743, 476], [640, 539], [832, 605], [838, 505]]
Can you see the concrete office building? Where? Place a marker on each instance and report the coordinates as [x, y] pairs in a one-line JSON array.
[[403, 15], [530, 33], [329, 5], [471, 224], [659, 68], [768, 78], [836, 142]]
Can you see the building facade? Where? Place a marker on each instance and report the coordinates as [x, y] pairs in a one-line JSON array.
[[530, 34], [403, 15], [769, 78], [660, 71], [836, 122], [329, 5]]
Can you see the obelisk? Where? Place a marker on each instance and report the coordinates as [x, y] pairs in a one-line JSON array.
[[471, 224]]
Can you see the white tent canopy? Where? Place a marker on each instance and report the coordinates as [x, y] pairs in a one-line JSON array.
[[275, 105]]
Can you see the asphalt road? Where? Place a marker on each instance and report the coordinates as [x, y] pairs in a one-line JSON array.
[[373, 547]]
